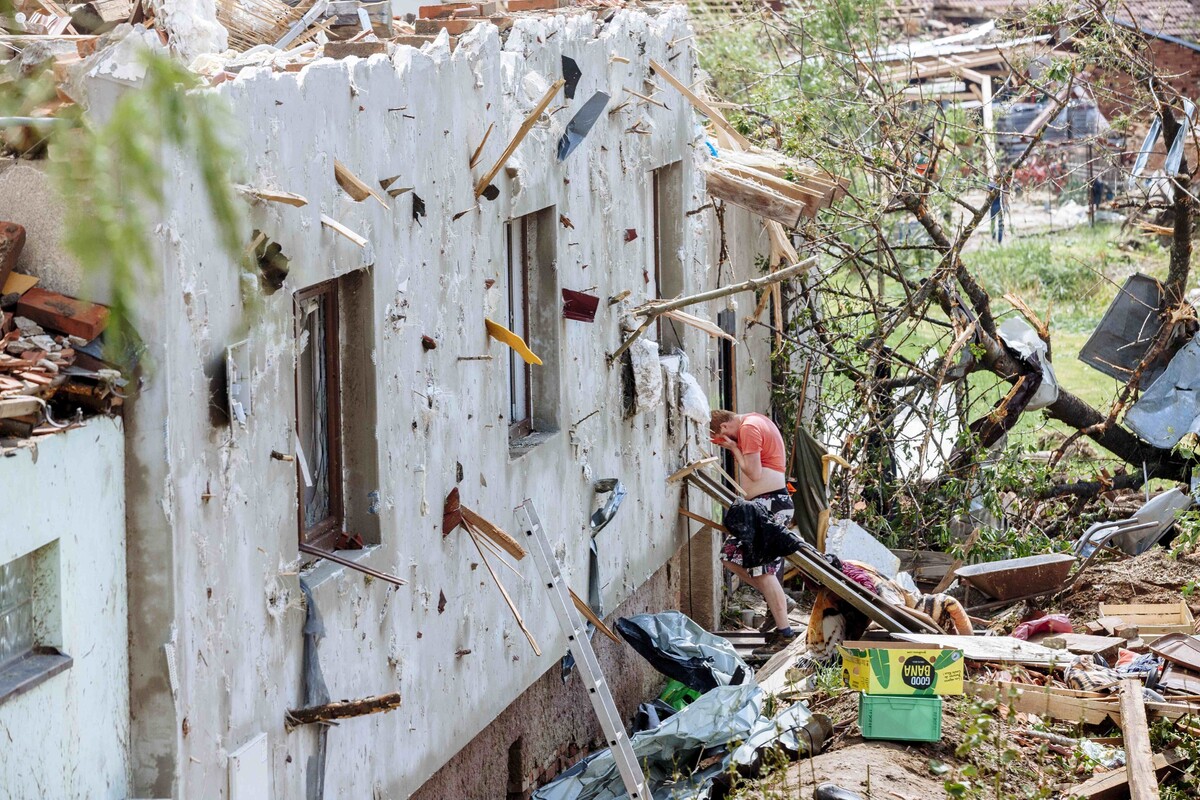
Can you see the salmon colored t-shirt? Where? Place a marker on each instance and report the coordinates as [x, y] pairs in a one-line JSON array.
[[758, 434]]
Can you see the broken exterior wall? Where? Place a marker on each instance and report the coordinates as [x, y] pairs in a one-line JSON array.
[[65, 502], [213, 536], [552, 725]]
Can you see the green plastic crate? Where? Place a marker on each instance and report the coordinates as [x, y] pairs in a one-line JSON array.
[[900, 718], [677, 695]]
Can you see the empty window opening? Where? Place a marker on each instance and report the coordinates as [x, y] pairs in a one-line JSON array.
[[336, 454], [534, 314], [667, 227]]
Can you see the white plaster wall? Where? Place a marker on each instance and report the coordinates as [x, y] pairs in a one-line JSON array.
[[69, 736], [224, 510]]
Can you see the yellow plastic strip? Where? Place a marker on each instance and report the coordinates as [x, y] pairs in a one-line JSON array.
[[505, 336]]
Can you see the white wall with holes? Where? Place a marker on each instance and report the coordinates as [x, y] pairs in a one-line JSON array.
[[67, 735]]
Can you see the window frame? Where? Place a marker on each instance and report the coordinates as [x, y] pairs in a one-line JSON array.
[[519, 369], [326, 531]]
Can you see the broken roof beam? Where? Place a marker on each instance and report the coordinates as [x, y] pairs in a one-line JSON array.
[[755, 196], [714, 116], [518, 137]]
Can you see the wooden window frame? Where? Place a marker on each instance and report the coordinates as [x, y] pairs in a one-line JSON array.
[[326, 531], [519, 369]]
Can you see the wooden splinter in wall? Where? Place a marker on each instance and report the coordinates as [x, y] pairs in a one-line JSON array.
[[454, 514], [519, 137], [340, 709], [354, 186]]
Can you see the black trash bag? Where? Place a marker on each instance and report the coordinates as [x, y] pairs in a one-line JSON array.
[[651, 715], [762, 539], [682, 650]]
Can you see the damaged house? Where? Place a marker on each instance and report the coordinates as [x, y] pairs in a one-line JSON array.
[[448, 244]]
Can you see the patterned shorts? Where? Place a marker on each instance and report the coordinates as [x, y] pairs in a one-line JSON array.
[[779, 505]]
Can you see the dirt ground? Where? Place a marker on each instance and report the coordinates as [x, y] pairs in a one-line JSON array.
[[1153, 577]]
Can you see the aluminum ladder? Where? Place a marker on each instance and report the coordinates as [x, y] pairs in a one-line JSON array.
[[581, 647]]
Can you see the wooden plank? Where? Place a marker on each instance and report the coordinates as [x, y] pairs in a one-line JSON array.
[[1045, 702], [755, 197], [354, 186], [58, 312], [272, 195], [591, 616], [703, 520], [519, 137], [688, 469], [341, 709], [342, 230], [1153, 617], [715, 116], [504, 593], [1115, 785], [19, 406], [1139, 758], [493, 532]]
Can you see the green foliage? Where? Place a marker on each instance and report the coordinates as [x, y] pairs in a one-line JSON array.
[[1187, 539], [109, 172], [1179, 735], [994, 768]]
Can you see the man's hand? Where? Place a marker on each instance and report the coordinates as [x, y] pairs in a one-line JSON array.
[[721, 440]]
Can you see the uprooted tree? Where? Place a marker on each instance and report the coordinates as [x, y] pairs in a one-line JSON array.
[[813, 81]]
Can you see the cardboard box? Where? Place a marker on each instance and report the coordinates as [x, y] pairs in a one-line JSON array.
[[902, 668]]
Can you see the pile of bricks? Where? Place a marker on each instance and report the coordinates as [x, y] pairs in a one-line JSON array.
[[48, 364], [458, 18]]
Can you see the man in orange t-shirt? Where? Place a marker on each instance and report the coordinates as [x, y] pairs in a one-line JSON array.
[[757, 447]]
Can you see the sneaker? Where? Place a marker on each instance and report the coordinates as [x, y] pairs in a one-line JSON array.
[[776, 641]]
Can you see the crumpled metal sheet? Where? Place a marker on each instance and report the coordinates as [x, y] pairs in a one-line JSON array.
[[1170, 408], [721, 717], [680, 649], [1020, 336]]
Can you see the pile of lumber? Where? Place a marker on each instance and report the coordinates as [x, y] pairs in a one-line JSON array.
[[772, 185]]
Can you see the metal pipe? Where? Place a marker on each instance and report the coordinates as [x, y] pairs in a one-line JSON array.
[[345, 562]]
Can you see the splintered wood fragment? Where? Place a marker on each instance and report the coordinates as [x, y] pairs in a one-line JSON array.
[[504, 593], [648, 99], [1042, 328], [591, 616], [716, 117], [619, 59], [711, 328], [353, 185], [342, 230], [19, 406], [341, 709], [521, 133], [479, 150], [1139, 758], [683, 512], [688, 469], [273, 195], [493, 532], [1115, 785]]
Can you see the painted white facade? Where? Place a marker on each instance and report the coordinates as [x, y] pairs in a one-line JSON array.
[[69, 735], [216, 514]]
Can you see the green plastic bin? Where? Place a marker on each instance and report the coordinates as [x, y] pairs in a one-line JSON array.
[[677, 695], [900, 718]]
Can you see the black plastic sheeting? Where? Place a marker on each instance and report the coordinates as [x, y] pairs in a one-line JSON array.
[[727, 721], [315, 691], [680, 649], [761, 539]]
